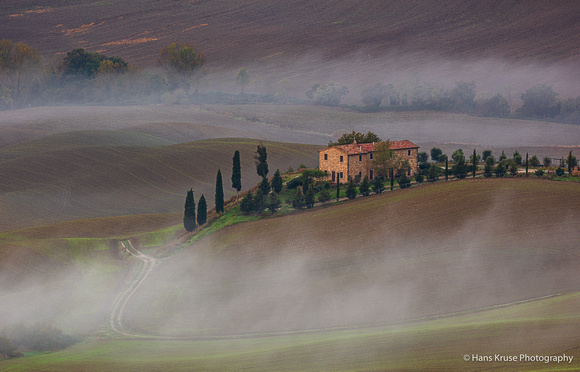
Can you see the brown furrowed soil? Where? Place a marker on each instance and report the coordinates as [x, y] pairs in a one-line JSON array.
[[308, 41], [259, 30], [431, 250], [75, 183]]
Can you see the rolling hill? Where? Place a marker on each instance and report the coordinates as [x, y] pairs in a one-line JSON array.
[[430, 250], [412, 279], [66, 181], [504, 44], [138, 30]]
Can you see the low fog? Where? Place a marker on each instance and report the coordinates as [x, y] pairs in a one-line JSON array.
[[303, 279]]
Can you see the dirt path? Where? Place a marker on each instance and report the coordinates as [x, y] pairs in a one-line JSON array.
[[116, 318], [148, 263]]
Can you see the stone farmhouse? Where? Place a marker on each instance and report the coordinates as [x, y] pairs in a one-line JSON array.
[[355, 160]]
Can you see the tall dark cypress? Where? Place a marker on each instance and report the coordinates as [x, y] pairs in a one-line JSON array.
[[201, 211], [527, 164], [337, 187], [261, 161], [189, 214], [237, 174], [474, 163], [446, 168], [219, 193]]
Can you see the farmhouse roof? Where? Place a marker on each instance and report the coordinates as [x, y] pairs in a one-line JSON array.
[[364, 148]]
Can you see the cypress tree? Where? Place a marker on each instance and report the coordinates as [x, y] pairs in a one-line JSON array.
[[201, 211], [392, 179], [377, 185], [219, 193], [474, 163], [337, 189], [570, 162], [261, 161], [527, 164], [277, 182], [189, 214], [309, 198], [446, 169], [237, 174]]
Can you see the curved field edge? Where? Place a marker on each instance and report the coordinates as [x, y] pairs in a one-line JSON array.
[[506, 239], [529, 328]]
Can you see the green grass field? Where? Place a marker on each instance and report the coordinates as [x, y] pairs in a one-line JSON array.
[[429, 344]]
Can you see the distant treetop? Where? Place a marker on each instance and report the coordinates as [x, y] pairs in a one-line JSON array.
[[348, 138]]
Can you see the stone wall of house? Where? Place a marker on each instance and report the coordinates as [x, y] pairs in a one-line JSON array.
[[411, 156], [329, 160], [359, 165], [332, 163]]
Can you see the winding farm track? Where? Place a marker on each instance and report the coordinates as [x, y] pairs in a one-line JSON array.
[[116, 318], [148, 263]]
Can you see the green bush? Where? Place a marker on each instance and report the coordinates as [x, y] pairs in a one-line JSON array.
[[540, 173], [404, 181], [294, 183]]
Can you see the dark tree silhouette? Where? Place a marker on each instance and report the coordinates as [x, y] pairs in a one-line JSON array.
[[219, 193], [189, 214], [201, 211], [237, 174]]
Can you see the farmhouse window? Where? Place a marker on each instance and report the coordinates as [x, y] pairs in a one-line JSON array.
[[325, 156], [408, 152], [341, 160], [360, 158], [359, 174], [371, 155], [341, 176]]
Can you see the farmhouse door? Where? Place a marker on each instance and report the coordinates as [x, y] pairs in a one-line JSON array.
[[333, 176]]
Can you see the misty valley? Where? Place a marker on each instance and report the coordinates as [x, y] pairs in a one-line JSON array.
[[298, 186]]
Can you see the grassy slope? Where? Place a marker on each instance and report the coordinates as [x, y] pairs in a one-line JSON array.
[[427, 345], [70, 182], [524, 227], [423, 249]]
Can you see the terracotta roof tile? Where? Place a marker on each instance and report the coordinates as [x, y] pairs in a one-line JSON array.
[[364, 148]]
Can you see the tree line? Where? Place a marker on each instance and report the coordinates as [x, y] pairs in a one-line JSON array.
[[264, 198], [82, 77], [310, 187]]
